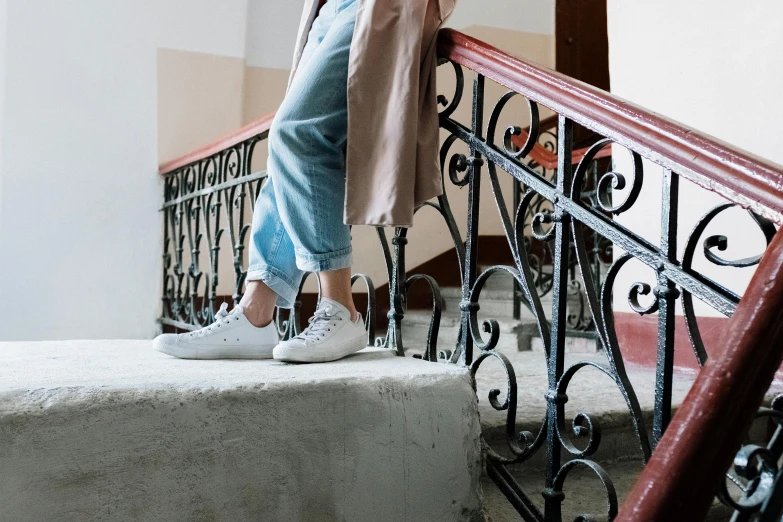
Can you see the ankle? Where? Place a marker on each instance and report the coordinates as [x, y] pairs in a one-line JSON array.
[[257, 312], [258, 318], [258, 304], [347, 303], [354, 314]]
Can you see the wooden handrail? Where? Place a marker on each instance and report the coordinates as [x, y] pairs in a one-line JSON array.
[[548, 159], [255, 128], [682, 477], [541, 155], [748, 180]]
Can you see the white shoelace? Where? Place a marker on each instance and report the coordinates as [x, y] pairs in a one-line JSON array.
[[221, 318], [319, 324]]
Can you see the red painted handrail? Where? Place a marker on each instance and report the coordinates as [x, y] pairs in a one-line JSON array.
[[255, 128], [539, 154], [748, 180], [548, 159], [683, 475]]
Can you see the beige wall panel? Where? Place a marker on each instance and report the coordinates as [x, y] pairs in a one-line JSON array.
[[264, 90], [199, 99]]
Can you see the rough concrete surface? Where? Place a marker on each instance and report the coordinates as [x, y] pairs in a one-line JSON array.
[[590, 392], [111, 430]]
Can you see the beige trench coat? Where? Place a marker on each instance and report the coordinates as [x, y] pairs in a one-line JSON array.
[[392, 162]]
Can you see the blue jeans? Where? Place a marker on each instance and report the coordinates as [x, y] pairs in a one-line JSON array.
[[298, 216]]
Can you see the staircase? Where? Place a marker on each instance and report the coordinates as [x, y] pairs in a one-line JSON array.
[[112, 430]]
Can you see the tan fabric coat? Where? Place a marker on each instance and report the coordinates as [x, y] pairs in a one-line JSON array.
[[392, 161]]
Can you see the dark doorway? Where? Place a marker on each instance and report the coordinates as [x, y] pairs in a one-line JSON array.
[[582, 46]]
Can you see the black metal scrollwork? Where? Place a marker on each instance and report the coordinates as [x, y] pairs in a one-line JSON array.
[[757, 474]]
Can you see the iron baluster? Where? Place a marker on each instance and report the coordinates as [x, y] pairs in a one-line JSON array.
[[553, 497], [666, 294], [474, 175], [580, 233], [397, 288]]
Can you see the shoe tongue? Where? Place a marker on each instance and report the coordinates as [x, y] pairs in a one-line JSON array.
[[332, 307]]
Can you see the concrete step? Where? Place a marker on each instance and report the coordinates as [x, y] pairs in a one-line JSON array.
[[502, 280], [113, 431], [590, 391], [514, 335], [494, 302], [584, 494]]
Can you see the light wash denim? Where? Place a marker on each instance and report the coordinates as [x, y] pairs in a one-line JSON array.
[[298, 217]]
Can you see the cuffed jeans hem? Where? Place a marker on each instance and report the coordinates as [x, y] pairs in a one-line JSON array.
[[277, 281], [328, 261]]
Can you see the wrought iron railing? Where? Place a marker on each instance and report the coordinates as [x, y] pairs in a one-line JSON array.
[[543, 160], [681, 153], [562, 212]]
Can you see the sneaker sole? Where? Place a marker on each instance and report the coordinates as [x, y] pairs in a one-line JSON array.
[[311, 357], [219, 352]]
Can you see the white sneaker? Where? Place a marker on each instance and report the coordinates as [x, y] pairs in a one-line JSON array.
[[231, 336], [331, 335]]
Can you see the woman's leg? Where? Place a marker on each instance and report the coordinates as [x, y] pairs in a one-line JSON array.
[[297, 222], [273, 278], [307, 154]]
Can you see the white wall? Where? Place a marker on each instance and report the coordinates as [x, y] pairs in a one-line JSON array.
[[271, 32], [3, 33], [531, 16], [713, 65], [80, 232], [272, 25]]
